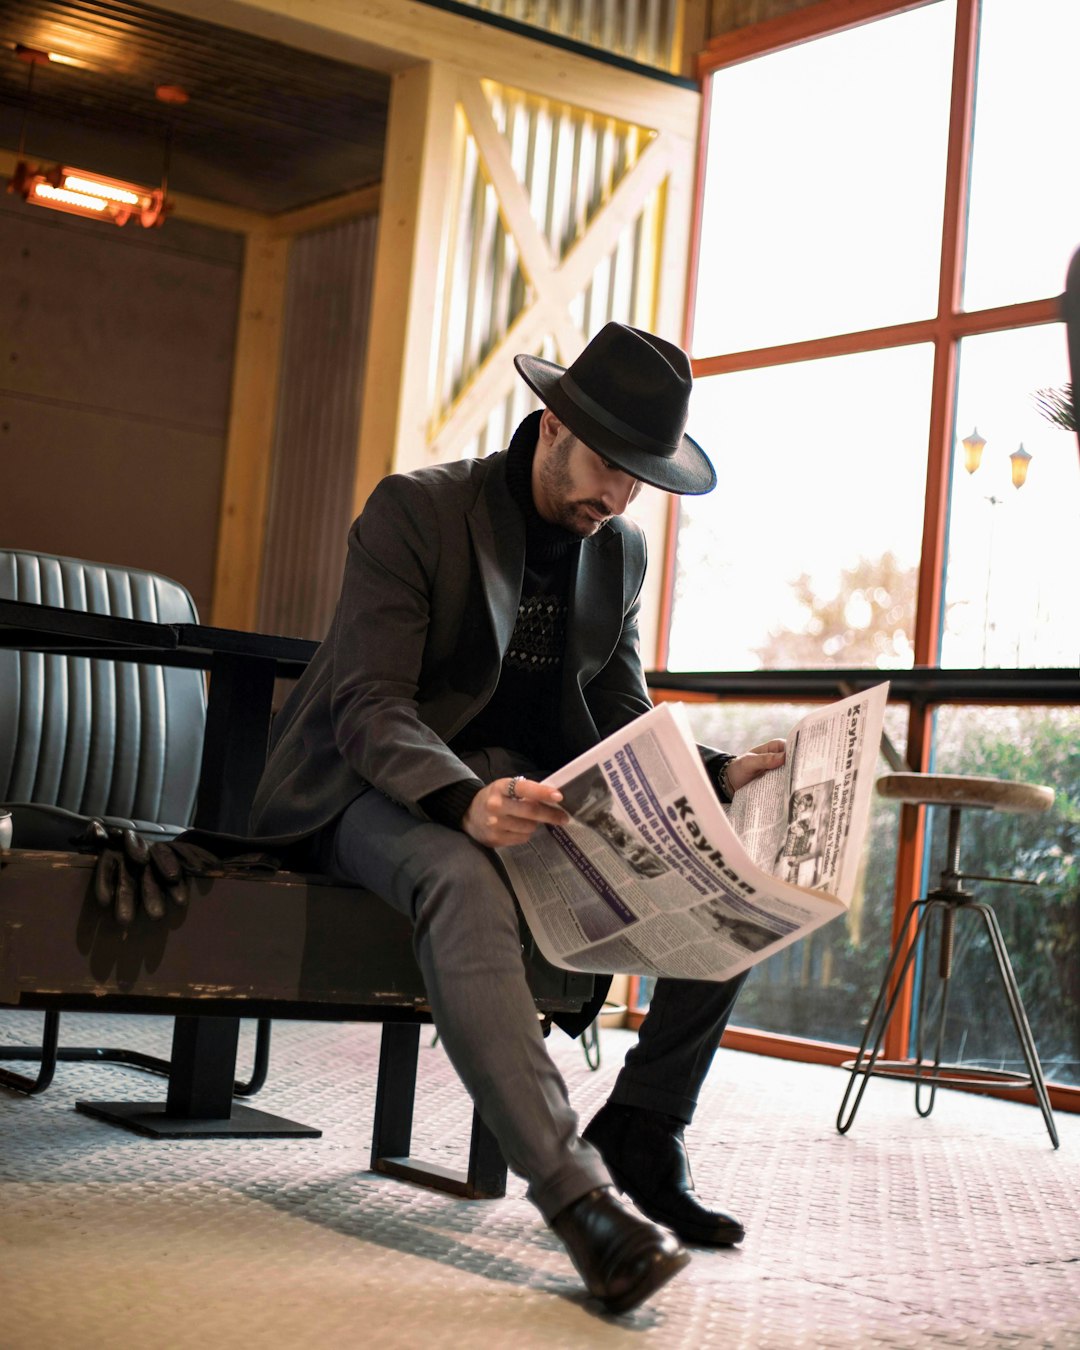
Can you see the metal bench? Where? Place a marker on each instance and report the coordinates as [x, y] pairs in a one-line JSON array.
[[285, 945]]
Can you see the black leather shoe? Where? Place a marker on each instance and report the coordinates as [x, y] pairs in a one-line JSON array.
[[622, 1259], [646, 1156]]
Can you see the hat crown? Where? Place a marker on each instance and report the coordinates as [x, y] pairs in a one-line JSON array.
[[640, 381]]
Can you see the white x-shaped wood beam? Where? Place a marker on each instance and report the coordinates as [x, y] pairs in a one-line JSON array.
[[554, 283]]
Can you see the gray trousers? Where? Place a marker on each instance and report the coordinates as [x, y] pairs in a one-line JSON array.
[[468, 945]]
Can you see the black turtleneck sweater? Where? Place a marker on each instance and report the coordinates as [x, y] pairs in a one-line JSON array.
[[523, 712]]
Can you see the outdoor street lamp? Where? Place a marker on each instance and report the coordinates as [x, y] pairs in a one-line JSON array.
[[974, 445], [973, 448], [1020, 460]]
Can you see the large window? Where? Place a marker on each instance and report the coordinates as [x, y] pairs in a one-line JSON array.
[[822, 204], [833, 218], [887, 217], [796, 559]]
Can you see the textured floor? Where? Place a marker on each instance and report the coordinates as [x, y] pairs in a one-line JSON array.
[[958, 1230]]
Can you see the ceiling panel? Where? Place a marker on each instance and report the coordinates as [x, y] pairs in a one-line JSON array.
[[267, 127]]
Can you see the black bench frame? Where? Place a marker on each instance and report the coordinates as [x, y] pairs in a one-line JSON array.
[[288, 946], [275, 968]]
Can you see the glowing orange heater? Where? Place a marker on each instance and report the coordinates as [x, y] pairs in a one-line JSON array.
[[82, 193]]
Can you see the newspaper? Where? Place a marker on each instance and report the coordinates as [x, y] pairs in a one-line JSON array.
[[654, 876]]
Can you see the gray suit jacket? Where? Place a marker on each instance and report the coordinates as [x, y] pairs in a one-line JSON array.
[[427, 608]]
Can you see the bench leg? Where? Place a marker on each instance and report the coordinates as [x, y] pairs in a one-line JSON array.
[[391, 1135], [47, 1054], [487, 1166], [50, 1053], [201, 1086]]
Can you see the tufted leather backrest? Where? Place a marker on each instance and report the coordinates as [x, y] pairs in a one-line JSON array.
[[99, 737]]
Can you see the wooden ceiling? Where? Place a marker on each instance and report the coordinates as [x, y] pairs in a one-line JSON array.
[[266, 127]]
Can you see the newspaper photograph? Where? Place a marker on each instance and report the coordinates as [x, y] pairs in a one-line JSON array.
[[654, 876]]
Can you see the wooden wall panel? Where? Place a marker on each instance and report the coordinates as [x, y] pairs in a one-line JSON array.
[[116, 354], [90, 484], [252, 413], [134, 321], [415, 203], [321, 388]]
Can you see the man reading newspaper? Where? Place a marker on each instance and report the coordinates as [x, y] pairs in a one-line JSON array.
[[487, 632]]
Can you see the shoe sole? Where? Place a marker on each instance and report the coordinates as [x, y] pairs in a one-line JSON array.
[[654, 1278]]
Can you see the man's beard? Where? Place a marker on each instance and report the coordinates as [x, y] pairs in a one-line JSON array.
[[555, 479], [575, 517]]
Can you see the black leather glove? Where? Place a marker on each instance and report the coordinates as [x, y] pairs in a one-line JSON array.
[[131, 873]]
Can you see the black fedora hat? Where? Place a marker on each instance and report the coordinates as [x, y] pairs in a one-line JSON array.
[[626, 396]]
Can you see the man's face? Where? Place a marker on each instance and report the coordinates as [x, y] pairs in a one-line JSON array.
[[573, 486]]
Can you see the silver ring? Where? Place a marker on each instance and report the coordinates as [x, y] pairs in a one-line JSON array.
[[511, 787]]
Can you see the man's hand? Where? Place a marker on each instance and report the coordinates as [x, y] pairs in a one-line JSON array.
[[510, 810], [753, 763]]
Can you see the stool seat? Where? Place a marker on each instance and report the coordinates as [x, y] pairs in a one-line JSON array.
[[943, 789]]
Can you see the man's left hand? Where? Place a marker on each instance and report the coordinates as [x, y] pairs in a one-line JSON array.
[[753, 763]]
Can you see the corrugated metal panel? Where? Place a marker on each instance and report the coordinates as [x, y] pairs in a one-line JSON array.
[[570, 161], [642, 30], [327, 304]]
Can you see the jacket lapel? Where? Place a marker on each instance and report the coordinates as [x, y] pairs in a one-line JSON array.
[[497, 530], [597, 604]]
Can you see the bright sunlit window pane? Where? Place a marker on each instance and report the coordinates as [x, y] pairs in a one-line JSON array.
[[824, 187], [1011, 593], [806, 554], [1024, 211]]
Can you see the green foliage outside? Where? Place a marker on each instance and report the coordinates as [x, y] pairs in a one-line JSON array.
[[1041, 925]]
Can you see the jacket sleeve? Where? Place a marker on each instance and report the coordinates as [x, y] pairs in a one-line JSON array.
[[379, 640]]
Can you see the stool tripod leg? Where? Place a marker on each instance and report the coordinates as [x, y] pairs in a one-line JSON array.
[[1019, 1017], [878, 1023], [945, 955]]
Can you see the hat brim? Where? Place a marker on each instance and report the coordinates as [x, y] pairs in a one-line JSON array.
[[688, 472]]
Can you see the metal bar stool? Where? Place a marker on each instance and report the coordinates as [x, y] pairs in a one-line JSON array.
[[948, 901]]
